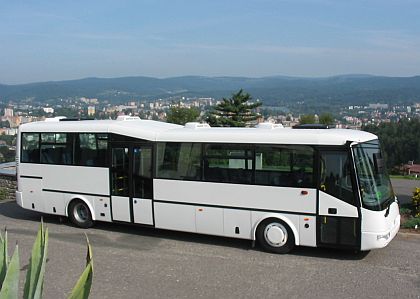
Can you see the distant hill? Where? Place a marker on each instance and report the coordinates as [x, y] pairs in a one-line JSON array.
[[275, 90]]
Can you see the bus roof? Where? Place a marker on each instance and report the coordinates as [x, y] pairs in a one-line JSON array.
[[194, 132]]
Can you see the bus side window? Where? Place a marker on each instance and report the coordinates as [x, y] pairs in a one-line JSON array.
[[228, 163], [177, 160], [30, 148], [284, 166], [91, 149], [57, 148]]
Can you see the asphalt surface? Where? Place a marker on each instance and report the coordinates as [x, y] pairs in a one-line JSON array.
[[404, 188], [136, 262]]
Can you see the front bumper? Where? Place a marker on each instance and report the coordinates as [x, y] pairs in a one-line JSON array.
[[373, 240]]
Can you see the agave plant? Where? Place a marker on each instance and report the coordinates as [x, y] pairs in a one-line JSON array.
[[9, 270], [34, 282]]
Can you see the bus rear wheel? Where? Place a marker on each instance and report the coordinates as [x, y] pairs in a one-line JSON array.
[[79, 214], [275, 236]]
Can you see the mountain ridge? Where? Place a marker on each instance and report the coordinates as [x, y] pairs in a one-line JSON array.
[[273, 90]]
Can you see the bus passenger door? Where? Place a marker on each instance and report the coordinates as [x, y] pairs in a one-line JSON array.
[[142, 184], [120, 180], [338, 222], [132, 184]]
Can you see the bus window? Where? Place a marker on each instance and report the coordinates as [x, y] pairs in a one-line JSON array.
[[228, 164], [91, 149], [286, 166], [119, 172], [142, 172], [30, 148], [57, 148], [336, 176], [180, 161]]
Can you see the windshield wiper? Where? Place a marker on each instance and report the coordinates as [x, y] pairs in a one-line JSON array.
[[389, 202], [387, 210]]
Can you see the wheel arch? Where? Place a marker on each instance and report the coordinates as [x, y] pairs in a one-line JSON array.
[[84, 199], [283, 218]]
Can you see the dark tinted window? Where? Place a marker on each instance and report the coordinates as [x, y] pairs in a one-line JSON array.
[[119, 172], [288, 166], [142, 172], [179, 160], [228, 163], [336, 176], [57, 148], [91, 149], [30, 148]]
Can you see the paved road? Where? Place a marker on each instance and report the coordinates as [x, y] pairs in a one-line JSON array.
[[134, 262], [404, 188]]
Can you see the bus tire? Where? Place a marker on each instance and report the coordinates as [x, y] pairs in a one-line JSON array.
[[79, 214], [275, 236]]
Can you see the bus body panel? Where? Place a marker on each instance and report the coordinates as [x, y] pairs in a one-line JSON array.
[[120, 208], [55, 203], [342, 208], [379, 227], [50, 188], [307, 231], [67, 178], [142, 211], [30, 195], [270, 198], [241, 219], [209, 220], [233, 223], [175, 216]]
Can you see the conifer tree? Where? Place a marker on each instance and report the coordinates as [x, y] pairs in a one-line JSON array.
[[236, 111]]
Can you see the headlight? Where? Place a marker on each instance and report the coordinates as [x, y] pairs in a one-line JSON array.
[[385, 237]]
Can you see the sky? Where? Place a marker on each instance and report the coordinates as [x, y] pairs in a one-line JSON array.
[[61, 40]]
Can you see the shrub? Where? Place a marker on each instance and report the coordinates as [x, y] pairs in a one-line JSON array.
[[416, 202], [412, 222], [405, 211], [3, 193]]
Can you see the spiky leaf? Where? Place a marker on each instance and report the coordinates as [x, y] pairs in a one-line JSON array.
[[82, 288], [3, 257], [35, 275], [40, 282], [10, 287]]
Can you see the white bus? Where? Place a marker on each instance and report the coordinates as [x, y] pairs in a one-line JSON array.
[[282, 187]]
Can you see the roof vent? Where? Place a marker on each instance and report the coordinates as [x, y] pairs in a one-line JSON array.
[[127, 117], [196, 125], [314, 126], [55, 119], [269, 126]]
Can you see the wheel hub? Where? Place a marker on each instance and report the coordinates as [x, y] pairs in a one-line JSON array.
[[275, 234], [80, 213]]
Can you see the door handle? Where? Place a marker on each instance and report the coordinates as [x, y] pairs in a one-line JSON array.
[[135, 201], [332, 210]]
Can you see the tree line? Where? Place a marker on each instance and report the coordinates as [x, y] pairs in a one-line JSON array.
[[400, 141]]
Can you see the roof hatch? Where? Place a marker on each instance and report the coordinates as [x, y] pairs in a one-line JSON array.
[[196, 125]]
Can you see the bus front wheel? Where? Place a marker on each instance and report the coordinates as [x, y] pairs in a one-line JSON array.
[[79, 213], [275, 236]]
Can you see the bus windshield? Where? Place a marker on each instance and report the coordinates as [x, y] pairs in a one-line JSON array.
[[375, 186]]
